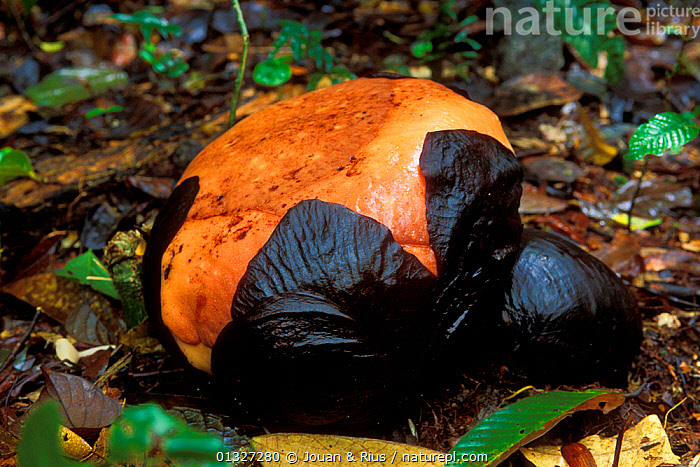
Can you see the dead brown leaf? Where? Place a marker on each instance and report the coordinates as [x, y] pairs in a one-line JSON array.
[[533, 91], [83, 405]]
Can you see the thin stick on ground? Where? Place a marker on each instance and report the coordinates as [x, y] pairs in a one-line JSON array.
[[10, 358], [244, 60]]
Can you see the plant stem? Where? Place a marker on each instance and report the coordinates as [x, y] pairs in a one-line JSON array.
[[636, 192], [10, 358], [244, 60]]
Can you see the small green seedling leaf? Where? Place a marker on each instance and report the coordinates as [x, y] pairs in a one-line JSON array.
[[102, 111], [74, 84], [147, 55], [303, 43], [666, 131], [273, 71], [170, 65], [86, 269], [148, 22], [502, 433], [421, 48], [15, 164], [298, 36], [39, 443]]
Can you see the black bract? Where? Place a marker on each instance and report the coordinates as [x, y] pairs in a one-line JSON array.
[[328, 314], [472, 195], [568, 313]]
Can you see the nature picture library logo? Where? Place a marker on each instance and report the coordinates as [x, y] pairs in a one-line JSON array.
[[589, 20]]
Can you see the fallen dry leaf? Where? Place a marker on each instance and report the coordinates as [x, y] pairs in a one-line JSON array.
[[593, 147], [13, 113], [533, 91], [534, 202], [56, 295], [299, 450], [645, 445], [82, 404]]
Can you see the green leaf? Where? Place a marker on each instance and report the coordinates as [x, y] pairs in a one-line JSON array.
[[147, 56], [304, 44], [149, 429], [615, 50], [419, 49], [86, 269], [272, 72], [321, 57], [580, 26], [638, 223], [467, 20], [666, 131], [502, 433], [15, 164], [178, 68], [39, 443], [102, 111], [74, 84], [170, 65], [298, 36], [148, 22], [447, 8]]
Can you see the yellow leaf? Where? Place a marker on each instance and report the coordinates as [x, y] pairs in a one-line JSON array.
[[593, 148], [301, 450], [74, 445], [14, 113]]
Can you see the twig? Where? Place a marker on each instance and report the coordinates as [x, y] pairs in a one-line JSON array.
[[672, 409], [23, 29], [13, 354], [244, 60], [114, 369], [618, 443]]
